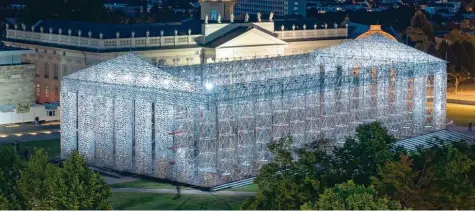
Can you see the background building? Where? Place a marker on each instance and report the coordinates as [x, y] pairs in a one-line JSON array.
[[278, 7], [18, 89], [63, 47], [209, 124]]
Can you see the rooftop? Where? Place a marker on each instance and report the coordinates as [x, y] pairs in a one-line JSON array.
[[131, 70]]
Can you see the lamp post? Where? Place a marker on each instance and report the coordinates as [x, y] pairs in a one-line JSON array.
[[456, 81]]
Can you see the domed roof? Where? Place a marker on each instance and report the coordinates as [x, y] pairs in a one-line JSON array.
[[376, 29]]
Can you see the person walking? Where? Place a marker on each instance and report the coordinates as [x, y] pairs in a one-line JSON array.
[[178, 192], [470, 126]]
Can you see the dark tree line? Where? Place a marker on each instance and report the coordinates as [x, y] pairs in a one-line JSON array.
[[36, 184], [368, 172]]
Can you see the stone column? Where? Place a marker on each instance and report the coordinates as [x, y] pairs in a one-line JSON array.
[[439, 99], [383, 78], [419, 104]]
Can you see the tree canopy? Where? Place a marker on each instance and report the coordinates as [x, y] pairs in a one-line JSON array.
[[37, 184], [367, 172], [350, 196]]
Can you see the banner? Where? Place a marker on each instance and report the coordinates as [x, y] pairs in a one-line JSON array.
[[23, 108]]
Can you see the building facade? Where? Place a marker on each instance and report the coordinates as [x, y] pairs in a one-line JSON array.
[[210, 124], [278, 7], [19, 90], [63, 47], [16, 77]]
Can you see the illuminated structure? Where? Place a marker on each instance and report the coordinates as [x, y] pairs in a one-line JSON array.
[[209, 124]]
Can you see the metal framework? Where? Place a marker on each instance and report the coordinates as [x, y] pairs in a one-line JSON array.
[[209, 124]]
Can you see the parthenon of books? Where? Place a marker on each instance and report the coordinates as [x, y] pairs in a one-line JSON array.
[[209, 124]]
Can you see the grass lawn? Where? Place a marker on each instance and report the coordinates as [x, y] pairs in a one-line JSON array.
[[146, 184], [52, 147], [247, 188], [157, 201], [460, 114]]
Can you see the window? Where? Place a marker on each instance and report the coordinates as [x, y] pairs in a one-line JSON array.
[[36, 49], [51, 113], [56, 92], [213, 15], [47, 71], [65, 70], [47, 91], [55, 71], [38, 89]]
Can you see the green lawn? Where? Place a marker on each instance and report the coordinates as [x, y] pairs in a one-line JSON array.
[[156, 201], [247, 188], [145, 184], [460, 114], [52, 147]]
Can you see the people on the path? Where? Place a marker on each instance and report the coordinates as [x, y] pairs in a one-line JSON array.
[[470, 126], [178, 192], [37, 121], [26, 153]]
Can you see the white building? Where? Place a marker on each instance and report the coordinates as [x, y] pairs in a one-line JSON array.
[[210, 124], [63, 47]]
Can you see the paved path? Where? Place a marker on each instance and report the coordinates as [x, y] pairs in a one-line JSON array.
[[112, 180], [460, 129], [190, 192], [29, 132]]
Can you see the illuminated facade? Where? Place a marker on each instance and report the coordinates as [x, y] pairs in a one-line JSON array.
[[209, 124]]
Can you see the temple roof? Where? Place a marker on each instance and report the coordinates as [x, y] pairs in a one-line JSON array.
[[131, 70], [376, 47]]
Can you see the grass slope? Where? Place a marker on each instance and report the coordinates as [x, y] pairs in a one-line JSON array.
[[156, 201], [52, 147], [146, 184], [247, 188]]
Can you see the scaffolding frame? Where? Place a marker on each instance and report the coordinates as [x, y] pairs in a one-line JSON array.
[[210, 124]]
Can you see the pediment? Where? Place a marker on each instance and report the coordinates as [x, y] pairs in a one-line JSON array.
[[252, 37]]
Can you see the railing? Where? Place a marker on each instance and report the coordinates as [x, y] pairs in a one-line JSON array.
[[132, 42], [312, 33]]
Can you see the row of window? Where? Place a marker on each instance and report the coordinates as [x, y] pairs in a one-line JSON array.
[[55, 71], [47, 91]]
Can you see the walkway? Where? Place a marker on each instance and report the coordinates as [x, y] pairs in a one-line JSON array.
[[29, 132], [191, 192], [460, 129]]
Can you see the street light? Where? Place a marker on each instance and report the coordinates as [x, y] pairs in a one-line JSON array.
[[456, 81]]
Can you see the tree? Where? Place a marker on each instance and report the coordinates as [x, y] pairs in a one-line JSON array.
[[40, 182], [281, 184], [349, 196], [10, 167], [447, 53], [441, 177], [460, 53], [360, 156], [81, 188], [40, 185], [420, 30]]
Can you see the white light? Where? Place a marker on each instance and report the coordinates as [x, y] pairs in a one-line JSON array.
[[208, 86]]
